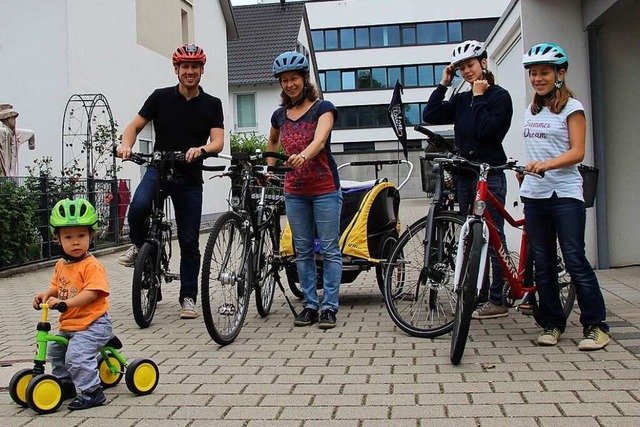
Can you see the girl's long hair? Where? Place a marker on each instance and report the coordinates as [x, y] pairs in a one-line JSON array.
[[310, 92], [557, 102]]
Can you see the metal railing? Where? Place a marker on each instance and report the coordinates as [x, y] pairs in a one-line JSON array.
[[39, 194]]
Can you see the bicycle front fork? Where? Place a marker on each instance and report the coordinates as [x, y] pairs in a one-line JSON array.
[[463, 242]]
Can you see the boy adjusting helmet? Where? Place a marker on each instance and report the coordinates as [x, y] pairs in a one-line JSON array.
[[467, 50], [70, 213], [189, 53]]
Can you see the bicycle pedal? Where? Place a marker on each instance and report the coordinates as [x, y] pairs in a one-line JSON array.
[[526, 309], [170, 277]]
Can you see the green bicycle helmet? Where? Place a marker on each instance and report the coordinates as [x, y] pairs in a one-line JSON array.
[[69, 213]]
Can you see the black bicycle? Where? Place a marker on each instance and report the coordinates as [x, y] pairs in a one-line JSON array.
[[152, 263], [242, 252], [418, 288]]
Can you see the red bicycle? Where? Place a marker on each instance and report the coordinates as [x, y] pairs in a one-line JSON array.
[[471, 272]]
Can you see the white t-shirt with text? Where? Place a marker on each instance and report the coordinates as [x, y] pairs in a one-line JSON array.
[[546, 136]]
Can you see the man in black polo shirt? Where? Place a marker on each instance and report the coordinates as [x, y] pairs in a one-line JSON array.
[[185, 118]]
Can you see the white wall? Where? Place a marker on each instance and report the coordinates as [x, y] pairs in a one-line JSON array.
[[79, 46], [620, 56], [267, 100], [351, 13]]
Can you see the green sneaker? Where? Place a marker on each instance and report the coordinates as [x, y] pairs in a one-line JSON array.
[[594, 339], [549, 336]]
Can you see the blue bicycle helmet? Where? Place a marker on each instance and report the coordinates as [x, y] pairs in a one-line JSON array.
[[290, 61], [546, 53]]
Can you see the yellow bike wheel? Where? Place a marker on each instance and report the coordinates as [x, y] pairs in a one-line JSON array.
[[18, 386], [107, 378], [44, 394], [142, 376]]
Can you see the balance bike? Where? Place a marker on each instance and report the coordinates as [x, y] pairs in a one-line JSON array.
[[43, 392]]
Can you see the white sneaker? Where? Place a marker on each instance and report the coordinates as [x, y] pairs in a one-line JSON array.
[[128, 258], [188, 309]]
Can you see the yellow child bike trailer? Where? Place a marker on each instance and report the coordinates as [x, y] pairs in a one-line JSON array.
[[369, 227]]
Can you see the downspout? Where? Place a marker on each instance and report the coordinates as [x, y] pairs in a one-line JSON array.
[[599, 154]]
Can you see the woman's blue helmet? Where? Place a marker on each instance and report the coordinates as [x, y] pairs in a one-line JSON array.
[[546, 53], [290, 61]]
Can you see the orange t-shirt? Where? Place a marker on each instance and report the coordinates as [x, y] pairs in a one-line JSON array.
[[71, 278]]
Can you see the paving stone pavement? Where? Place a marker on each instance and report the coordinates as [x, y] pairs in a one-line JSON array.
[[363, 373]]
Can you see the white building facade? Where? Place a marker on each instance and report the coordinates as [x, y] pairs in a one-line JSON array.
[[363, 46], [51, 50]]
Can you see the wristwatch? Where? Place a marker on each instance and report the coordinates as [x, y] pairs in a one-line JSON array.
[[303, 156], [203, 151]]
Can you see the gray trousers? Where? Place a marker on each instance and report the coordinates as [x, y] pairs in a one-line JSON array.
[[78, 363]]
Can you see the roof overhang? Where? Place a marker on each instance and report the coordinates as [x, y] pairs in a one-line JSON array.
[[227, 11]]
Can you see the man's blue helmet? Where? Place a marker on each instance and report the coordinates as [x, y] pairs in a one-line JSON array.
[[290, 61], [546, 53]]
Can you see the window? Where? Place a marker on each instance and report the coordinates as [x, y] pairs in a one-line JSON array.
[[323, 84], [409, 35], [412, 114], [318, 39], [348, 80], [455, 32], [432, 33], [333, 81], [362, 37], [347, 38], [411, 76], [246, 110], [348, 117], [425, 75], [395, 73], [331, 39], [364, 79], [401, 35], [477, 29], [359, 147], [379, 78]]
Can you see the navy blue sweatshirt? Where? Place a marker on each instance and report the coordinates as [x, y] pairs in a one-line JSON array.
[[480, 122]]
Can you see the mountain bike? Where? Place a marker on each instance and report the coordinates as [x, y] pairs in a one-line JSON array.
[[151, 267], [418, 283], [471, 268], [242, 252], [31, 387]]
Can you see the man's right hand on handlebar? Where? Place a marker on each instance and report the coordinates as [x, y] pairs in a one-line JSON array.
[[124, 151]]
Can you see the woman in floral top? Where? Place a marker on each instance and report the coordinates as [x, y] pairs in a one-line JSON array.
[[313, 199]]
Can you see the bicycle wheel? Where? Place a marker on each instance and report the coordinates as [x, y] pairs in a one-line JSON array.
[[420, 301], [145, 285], [225, 279], [266, 283], [467, 292]]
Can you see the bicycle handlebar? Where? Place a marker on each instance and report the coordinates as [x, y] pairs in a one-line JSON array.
[[510, 165], [61, 306], [435, 139]]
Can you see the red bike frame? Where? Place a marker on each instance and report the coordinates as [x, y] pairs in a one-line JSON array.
[[515, 278]]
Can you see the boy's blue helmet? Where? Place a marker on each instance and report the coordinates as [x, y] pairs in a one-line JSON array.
[[290, 61], [546, 53]]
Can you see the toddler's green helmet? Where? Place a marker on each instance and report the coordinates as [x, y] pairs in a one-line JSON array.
[[69, 213]]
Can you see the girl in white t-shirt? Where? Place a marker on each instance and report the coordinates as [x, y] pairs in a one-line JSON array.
[[554, 134]]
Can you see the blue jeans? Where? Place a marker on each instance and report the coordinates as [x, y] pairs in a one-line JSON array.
[[564, 218], [78, 362], [466, 195], [187, 205], [306, 214]]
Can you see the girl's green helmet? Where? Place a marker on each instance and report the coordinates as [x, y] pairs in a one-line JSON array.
[[69, 213]]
